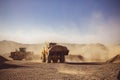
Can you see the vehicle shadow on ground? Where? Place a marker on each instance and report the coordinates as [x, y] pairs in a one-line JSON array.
[[85, 63]]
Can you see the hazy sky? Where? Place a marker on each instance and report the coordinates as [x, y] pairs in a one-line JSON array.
[[76, 21]]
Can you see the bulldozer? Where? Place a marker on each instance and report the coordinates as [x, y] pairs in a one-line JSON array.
[[21, 54], [56, 53]]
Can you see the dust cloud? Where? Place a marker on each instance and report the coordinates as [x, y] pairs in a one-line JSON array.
[[77, 52]]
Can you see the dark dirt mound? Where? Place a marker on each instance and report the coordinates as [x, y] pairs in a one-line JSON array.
[[7, 66], [115, 59], [2, 59]]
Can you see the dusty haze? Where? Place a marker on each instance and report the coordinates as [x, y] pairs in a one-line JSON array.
[[78, 52]]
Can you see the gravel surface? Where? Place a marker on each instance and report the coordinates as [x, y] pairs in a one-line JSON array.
[[23, 70]]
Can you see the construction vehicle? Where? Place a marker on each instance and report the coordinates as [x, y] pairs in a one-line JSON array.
[[56, 53], [21, 54]]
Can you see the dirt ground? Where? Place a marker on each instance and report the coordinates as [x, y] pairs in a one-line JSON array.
[[23, 70]]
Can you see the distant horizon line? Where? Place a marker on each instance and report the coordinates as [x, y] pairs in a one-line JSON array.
[[58, 42]]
